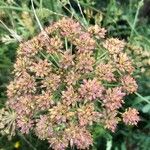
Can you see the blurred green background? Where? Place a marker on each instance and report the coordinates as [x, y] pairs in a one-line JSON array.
[[125, 19]]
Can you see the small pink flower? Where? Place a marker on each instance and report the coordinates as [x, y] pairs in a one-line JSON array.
[[69, 27], [41, 68], [25, 124], [44, 127], [86, 115], [130, 116], [129, 84], [105, 72], [85, 43], [60, 85], [79, 136], [113, 98], [97, 31], [44, 101], [110, 119], [51, 82], [29, 48], [85, 62], [69, 97], [114, 45], [72, 77], [123, 63], [91, 89], [67, 60]]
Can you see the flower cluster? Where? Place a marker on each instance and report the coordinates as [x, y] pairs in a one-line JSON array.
[[68, 78], [130, 116]]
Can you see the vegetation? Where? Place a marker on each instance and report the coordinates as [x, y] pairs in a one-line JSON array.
[[22, 20]]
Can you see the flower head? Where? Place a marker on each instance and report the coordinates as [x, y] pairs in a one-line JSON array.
[[131, 116], [67, 60], [79, 136], [91, 89], [114, 98], [114, 45], [97, 31], [129, 84], [123, 63], [65, 81], [110, 120], [41, 68], [85, 62], [104, 72], [70, 97]]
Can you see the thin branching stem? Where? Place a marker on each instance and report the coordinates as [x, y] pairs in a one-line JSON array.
[[28, 142], [143, 98], [36, 17], [136, 17]]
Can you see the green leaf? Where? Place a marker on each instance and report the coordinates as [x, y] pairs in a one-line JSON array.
[[123, 146], [109, 144], [146, 108]]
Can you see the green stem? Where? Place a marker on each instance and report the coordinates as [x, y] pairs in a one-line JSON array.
[[28, 142], [36, 17], [53, 8], [101, 57], [46, 57], [136, 17], [41, 4], [81, 12], [66, 44], [143, 98], [15, 8]]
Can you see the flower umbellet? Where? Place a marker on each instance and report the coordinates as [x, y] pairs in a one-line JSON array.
[[130, 116], [59, 77]]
